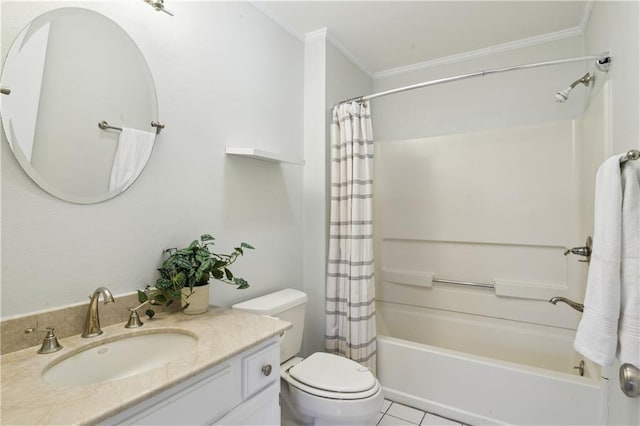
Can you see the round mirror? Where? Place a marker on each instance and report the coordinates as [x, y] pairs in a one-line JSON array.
[[67, 71]]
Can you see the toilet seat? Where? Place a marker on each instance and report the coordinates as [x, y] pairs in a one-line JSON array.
[[332, 395], [333, 377]]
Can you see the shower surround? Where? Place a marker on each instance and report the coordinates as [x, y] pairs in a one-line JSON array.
[[497, 208]]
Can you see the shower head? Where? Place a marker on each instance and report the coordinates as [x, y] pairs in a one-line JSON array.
[[563, 95]]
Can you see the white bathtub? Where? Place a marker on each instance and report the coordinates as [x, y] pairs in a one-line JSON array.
[[480, 370]]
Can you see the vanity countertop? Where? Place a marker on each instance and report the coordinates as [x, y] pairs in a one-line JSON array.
[[27, 399]]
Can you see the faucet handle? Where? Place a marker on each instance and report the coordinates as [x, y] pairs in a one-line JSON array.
[[134, 318], [50, 342], [48, 330], [584, 251]]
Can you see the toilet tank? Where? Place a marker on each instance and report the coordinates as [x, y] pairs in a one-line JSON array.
[[287, 305]]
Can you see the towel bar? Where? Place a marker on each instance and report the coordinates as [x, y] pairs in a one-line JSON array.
[[634, 154], [105, 125]]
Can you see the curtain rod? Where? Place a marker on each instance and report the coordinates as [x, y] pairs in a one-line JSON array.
[[602, 63]]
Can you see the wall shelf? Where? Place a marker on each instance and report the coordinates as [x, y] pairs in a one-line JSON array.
[[258, 154]]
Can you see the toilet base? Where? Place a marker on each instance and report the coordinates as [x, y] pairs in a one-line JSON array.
[[319, 412]]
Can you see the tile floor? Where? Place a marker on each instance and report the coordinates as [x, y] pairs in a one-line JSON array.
[[396, 414]]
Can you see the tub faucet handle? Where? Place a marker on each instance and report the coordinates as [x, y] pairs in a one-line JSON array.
[[584, 251]]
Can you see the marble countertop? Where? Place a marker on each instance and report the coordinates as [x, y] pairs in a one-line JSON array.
[[27, 399]]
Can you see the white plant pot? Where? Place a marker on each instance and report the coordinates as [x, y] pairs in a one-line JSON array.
[[198, 300]]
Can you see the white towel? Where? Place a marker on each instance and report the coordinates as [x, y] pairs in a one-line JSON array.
[[610, 322], [597, 334], [629, 324], [134, 149]]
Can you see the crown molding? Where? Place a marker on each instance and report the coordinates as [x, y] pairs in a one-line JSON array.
[[505, 47], [586, 15]]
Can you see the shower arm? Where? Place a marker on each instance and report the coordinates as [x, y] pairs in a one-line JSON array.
[[585, 79]]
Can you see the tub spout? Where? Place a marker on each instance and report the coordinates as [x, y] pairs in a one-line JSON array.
[[575, 305]]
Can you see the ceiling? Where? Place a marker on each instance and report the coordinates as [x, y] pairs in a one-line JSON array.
[[381, 36]]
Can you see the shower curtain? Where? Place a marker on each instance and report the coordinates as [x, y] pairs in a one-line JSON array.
[[350, 306]]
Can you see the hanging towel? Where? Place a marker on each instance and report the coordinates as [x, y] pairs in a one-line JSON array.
[[629, 324], [610, 323], [597, 334], [134, 149]]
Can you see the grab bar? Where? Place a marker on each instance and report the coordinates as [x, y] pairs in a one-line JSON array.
[[464, 283], [105, 125]]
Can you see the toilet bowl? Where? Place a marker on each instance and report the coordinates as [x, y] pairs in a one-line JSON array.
[[322, 389], [326, 389]]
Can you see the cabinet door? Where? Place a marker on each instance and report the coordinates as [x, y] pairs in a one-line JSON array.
[[263, 409], [260, 369], [200, 403]]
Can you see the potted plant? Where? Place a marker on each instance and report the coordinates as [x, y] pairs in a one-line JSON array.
[[185, 275]]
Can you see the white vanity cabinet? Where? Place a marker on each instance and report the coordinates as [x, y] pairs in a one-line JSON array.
[[243, 390]]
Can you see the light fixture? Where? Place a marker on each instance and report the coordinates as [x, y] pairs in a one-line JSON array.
[[158, 5]]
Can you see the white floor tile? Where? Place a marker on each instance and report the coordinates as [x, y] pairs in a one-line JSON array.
[[409, 414], [385, 406], [388, 420], [379, 417], [433, 420]]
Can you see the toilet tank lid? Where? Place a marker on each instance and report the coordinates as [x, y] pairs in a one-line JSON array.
[[273, 303]]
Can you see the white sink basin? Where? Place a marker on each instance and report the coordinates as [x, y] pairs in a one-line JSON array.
[[116, 359]]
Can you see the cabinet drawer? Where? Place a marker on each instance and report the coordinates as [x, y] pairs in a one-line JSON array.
[[260, 369]]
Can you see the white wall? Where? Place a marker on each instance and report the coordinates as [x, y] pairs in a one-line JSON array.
[[476, 207], [329, 78], [494, 101], [315, 217], [225, 75], [615, 26]]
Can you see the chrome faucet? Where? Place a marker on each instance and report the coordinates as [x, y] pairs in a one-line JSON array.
[[92, 322], [575, 305]]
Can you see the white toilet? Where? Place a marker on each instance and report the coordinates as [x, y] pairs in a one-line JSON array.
[[322, 389]]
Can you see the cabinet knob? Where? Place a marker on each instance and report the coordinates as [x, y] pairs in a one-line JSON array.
[[266, 369]]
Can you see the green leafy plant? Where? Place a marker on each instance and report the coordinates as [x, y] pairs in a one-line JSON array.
[[190, 267]]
